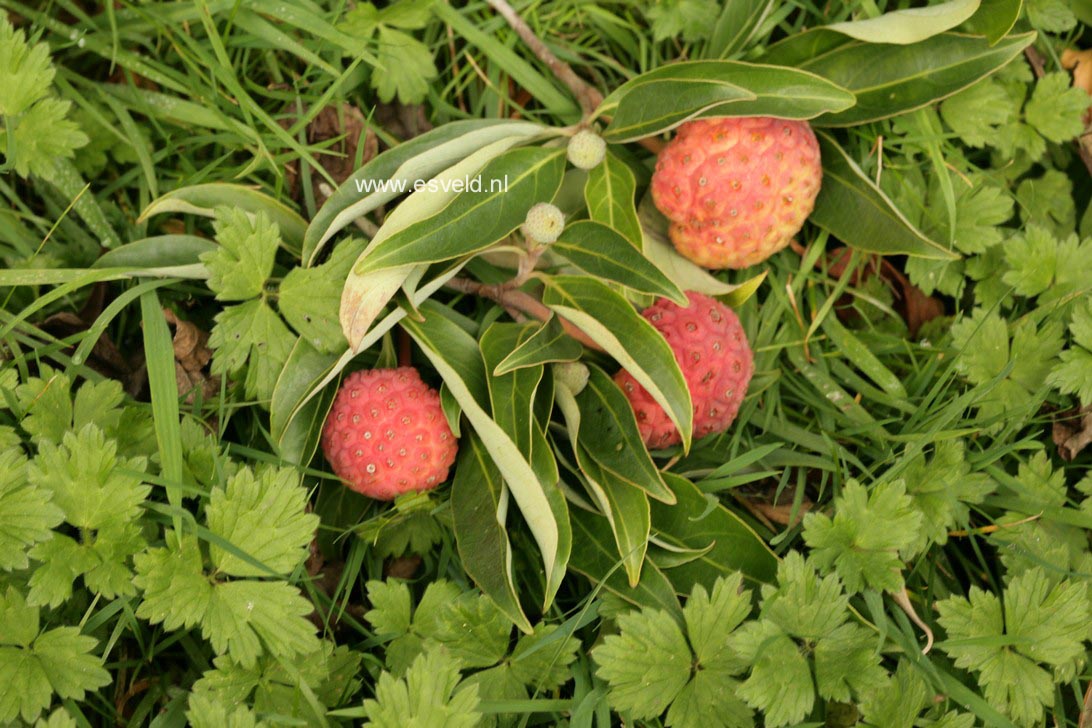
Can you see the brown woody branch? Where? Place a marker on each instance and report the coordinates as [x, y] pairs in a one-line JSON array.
[[513, 298]]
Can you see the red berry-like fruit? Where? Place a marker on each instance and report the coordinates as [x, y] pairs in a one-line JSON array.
[[386, 434], [715, 359], [736, 190]]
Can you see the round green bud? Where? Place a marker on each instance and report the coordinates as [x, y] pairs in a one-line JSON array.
[[586, 149]]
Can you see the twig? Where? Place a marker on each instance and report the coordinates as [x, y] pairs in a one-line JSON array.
[[512, 298], [903, 600], [1038, 64], [586, 95]]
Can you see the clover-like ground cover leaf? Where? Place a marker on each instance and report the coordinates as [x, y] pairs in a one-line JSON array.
[[1041, 629], [426, 697], [36, 665], [862, 540]]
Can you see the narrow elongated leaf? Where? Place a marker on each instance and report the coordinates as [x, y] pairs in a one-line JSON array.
[[596, 557], [474, 220], [511, 395], [295, 419], [548, 344], [889, 80], [71, 184], [770, 91], [696, 521], [479, 502], [456, 356], [613, 438], [163, 386], [365, 295], [203, 200], [686, 274], [911, 25], [994, 19], [656, 105], [625, 507], [738, 21], [857, 212], [395, 171], [609, 320], [599, 250], [160, 251], [609, 195]]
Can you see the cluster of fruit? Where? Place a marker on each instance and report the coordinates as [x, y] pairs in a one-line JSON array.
[[734, 190]]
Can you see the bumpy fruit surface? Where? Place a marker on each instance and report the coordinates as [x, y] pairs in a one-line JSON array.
[[586, 149], [386, 434], [736, 190], [715, 358], [544, 223]]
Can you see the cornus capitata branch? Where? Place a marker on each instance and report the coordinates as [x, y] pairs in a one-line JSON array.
[[513, 298], [587, 95]]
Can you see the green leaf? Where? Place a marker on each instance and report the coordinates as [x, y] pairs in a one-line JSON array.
[[861, 542], [780, 683], [365, 295], [38, 666], [1043, 624], [248, 618], [1056, 108], [297, 411], [609, 195], [88, 481], [803, 604], [664, 98], [541, 659], [595, 554], [157, 251], [239, 267], [650, 650], [205, 712], [995, 18], [912, 25], [712, 617], [419, 158], [609, 320], [695, 522], [602, 252], [1051, 16], [425, 697], [26, 513], [942, 489], [1073, 375], [736, 26], [405, 67], [457, 358], [474, 220], [890, 80], [206, 199], [854, 210], [474, 631], [479, 501], [176, 591], [264, 517], [40, 137], [250, 334], [609, 436], [847, 663], [977, 113], [686, 18], [897, 704], [548, 344], [27, 67], [309, 298]]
